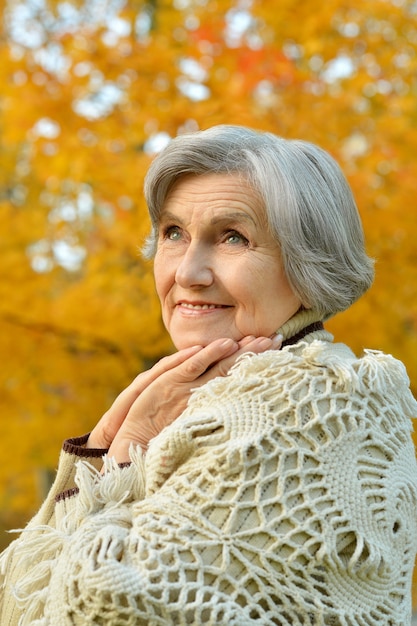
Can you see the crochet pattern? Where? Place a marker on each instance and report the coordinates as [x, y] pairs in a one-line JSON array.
[[286, 494]]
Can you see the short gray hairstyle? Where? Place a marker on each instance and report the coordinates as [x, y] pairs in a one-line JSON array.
[[308, 203]]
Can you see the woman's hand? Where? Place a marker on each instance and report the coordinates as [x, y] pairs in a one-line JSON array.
[[158, 396], [103, 434]]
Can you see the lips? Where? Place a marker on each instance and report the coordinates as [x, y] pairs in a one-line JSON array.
[[200, 307]]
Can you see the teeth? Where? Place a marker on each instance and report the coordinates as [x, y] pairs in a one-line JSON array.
[[203, 307]]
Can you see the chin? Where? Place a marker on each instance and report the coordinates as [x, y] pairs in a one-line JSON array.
[[182, 345], [198, 340]]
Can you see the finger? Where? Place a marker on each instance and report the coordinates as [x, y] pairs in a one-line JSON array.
[[164, 365], [243, 342], [216, 351], [260, 344], [103, 433], [128, 396], [255, 345]]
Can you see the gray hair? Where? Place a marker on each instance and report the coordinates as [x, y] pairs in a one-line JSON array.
[[308, 203]]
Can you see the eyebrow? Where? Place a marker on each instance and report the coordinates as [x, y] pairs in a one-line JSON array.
[[236, 216]]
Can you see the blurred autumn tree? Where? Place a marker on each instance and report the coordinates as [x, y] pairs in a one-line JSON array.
[[89, 91]]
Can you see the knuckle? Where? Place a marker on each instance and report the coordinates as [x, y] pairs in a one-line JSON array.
[[164, 361], [194, 367], [105, 433]]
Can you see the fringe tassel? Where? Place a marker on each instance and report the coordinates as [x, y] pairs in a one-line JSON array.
[[112, 486], [375, 372], [36, 551], [35, 555]]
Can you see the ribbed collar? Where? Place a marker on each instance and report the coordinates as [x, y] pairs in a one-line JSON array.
[[301, 324], [311, 328]]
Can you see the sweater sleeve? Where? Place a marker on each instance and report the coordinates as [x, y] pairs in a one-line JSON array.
[[12, 568], [73, 450], [283, 499]]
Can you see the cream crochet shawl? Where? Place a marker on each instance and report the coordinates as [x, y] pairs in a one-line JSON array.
[[286, 494]]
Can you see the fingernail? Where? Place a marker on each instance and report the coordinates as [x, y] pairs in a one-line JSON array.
[[227, 343], [277, 340]]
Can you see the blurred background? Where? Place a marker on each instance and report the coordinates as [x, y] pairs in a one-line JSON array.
[[90, 90]]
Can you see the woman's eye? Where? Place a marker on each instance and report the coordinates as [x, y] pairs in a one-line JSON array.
[[172, 233], [234, 237]]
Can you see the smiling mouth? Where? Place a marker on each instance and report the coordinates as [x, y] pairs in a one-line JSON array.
[[201, 307]]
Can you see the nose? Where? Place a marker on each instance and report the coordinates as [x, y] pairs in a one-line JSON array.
[[195, 268]]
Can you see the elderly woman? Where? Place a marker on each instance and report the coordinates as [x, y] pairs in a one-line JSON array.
[[262, 474]]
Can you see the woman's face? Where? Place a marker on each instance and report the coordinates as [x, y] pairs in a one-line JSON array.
[[218, 270]]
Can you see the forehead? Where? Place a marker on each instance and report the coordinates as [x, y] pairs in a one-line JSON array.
[[214, 192]]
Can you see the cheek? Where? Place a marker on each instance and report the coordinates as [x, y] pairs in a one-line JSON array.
[[250, 295], [271, 292], [160, 276]]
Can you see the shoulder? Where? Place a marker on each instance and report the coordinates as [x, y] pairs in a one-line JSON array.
[[317, 390], [318, 385], [326, 366]]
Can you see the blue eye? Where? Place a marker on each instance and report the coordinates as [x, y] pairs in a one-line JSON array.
[[234, 237], [173, 233]]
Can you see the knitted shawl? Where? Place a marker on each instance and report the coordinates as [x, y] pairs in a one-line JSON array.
[[285, 494]]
